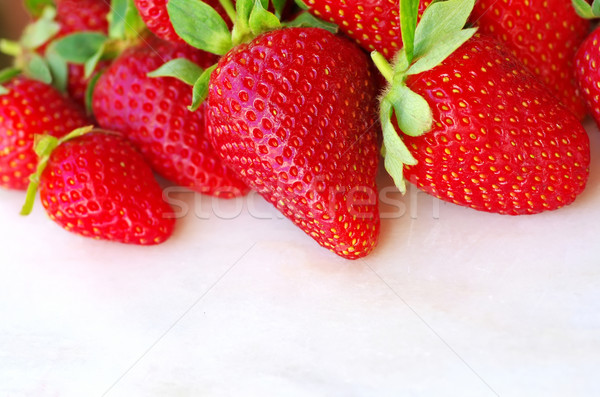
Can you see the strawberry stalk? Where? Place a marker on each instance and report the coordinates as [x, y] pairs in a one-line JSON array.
[[426, 45], [44, 146]]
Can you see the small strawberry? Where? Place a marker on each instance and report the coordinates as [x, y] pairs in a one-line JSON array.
[[153, 114], [374, 25], [94, 183], [155, 15], [587, 60], [472, 126], [293, 112], [29, 107], [544, 35]]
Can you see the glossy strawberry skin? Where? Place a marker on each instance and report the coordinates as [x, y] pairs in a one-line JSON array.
[[544, 35], [501, 142], [587, 62], [99, 186], [153, 114], [374, 25], [294, 113], [155, 15], [30, 108]]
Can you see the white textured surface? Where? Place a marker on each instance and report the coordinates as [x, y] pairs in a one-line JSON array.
[[453, 302]]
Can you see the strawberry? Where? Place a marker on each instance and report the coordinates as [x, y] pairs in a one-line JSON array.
[[152, 113], [155, 15], [544, 35], [587, 60], [474, 127], [97, 185], [29, 107], [293, 113], [374, 25]]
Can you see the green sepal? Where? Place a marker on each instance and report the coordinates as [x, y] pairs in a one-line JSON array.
[[279, 6], [586, 10], [80, 47], [124, 20], [7, 75], [58, 67], [201, 88], [229, 9], [44, 145], [394, 150], [36, 7], [41, 31], [90, 64], [10, 47], [409, 9], [241, 27], [37, 68], [262, 20], [181, 68], [301, 4], [200, 25], [307, 20], [89, 92]]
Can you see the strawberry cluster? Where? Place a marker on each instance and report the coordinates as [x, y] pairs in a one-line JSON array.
[[476, 102]]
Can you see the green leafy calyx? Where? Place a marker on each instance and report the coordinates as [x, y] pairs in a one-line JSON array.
[[426, 45], [44, 145], [587, 10]]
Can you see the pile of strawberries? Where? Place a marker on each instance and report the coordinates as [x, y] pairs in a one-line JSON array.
[[477, 102]]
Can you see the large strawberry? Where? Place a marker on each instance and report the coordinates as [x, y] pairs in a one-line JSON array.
[[375, 24], [29, 107], [474, 127], [153, 114], [97, 185], [544, 35], [293, 111]]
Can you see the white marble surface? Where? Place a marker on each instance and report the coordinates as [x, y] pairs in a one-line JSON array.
[[454, 302]]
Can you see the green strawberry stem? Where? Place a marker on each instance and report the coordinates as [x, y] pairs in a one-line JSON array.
[[44, 146], [229, 9], [383, 66], [10, 47]]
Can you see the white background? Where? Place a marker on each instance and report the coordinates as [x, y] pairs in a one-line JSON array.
[[453, 302]]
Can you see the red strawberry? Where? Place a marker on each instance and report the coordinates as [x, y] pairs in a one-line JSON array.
[[293, 112], [544, 35], [155, 15], [28, 108], [97, 185], [375, 24], [153, 114]]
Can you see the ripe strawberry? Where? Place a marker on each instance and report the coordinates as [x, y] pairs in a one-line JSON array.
[[153, 114], [155, 15], [97, 185], [76, 16], [30, 107], [500, 142], [293, 112], [473, 126], [544, 35], [374, 25]]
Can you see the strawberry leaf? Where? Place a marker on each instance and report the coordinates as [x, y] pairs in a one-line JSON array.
[[36, 7], [307, 20], [80, 47], [584, 9], [301, 4], [181, 68], [201, 88], [412, 111], [89, 92], [116, 18], [58, 68], [409, 9], [37, 68], [92, 62], [40, 31], [279, 6], [200, 25], [8, 74], [11, 48], [262, 20]]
